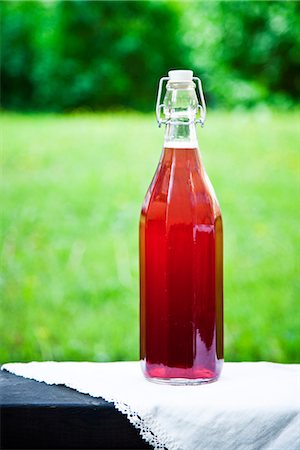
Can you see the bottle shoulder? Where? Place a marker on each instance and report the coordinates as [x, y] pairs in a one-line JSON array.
[[181, 191]]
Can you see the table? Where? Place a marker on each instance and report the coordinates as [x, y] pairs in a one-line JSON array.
[[254, 405], [36, 415]]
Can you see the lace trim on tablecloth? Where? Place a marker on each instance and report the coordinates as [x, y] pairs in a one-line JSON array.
[[145, 425]]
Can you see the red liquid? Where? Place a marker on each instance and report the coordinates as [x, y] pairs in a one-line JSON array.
[[181, 272]]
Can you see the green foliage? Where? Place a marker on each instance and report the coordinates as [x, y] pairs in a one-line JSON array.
[[17, 53], [72, 192], [60, 56], [247, 52], [90, 54]]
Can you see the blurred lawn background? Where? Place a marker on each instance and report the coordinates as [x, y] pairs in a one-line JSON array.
[[80, 148]]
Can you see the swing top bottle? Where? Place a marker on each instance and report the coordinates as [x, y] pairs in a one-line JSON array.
[[181, 250]]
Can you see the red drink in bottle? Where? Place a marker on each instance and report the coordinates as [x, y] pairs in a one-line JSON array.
[[181, 253]]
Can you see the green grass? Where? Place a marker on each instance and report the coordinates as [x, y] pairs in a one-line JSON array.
[[72, 189]]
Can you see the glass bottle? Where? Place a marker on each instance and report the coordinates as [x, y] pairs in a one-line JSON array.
[[181, 250]]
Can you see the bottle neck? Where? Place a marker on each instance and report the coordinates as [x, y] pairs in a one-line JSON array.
[[180, 109], [180, 136]]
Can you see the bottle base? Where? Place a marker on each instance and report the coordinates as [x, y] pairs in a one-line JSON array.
[[181, 381], [178, 377]]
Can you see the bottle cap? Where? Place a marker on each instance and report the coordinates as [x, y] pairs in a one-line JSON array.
[[180, 75]]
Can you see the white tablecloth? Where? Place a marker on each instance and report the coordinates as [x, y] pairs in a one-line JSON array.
[[252, 406]]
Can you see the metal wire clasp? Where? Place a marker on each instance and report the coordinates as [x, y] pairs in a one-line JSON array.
[[201, 104]]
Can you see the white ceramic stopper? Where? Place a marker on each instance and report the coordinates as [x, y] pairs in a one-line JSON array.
[[180, 75]]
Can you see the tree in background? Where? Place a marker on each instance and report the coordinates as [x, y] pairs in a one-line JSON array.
[[247, 52], [60, 56], [17, 53], [87, 54]]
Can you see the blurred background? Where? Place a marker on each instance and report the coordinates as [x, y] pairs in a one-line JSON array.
[[80, 146]]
